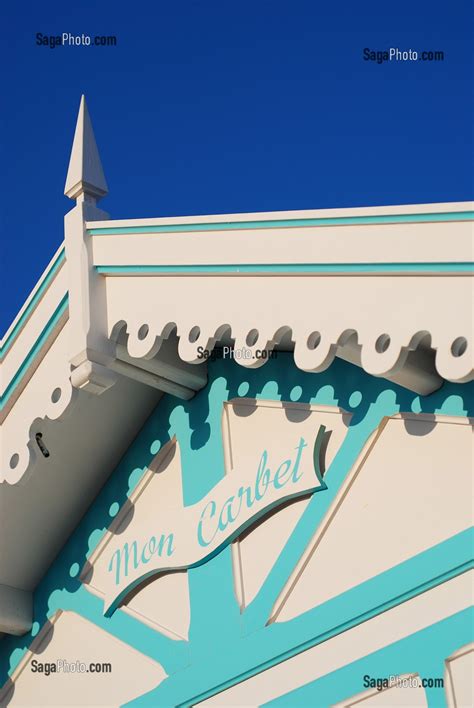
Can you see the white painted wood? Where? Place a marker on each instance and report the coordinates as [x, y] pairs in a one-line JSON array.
[[414, 481], [35, 402], [85, 445], [373, 243], [87, 297], [85, 174], [66, 640], [405, 307], [459, 677], [347, 212]]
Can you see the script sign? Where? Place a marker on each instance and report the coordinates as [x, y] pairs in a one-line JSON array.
[[182, 538]]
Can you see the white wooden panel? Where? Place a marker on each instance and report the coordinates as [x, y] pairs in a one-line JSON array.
[[411, 490], [73, 639]]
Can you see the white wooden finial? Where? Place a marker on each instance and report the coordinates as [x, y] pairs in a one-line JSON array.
[[85, 175]]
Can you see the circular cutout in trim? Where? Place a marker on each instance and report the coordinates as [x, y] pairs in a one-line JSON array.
[[251, 338], [382, 343], [143, 331], [194, 334], [459, 346], [313, 340]]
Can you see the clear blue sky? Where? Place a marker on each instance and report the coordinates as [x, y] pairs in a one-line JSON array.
[[213, 106]]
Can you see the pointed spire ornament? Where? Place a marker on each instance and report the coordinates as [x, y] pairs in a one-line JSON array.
[[85, 175]]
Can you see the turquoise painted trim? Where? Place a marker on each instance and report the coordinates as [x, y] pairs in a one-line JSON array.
[[55, 266], [423, 652], [465, 267], [188, 703], [285, 641], [308, 630], [284, 223], [50, 325], [383, 592]]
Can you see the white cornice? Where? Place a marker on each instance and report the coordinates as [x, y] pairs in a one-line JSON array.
[[370, 211], [279, 256], [284, 283]]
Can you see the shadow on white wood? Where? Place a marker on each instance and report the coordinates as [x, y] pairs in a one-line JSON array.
[[163, 601], [71, 644]]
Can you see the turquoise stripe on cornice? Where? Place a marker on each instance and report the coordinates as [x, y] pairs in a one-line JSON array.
[[55, 266], [51, 324], [467, 267], [285, 223]]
